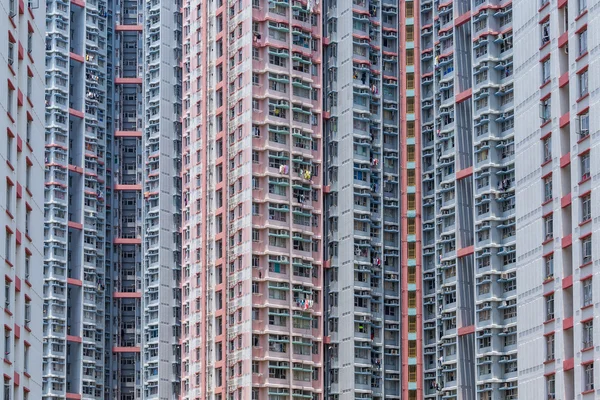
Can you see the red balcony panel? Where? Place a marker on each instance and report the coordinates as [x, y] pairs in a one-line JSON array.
[[128, 81], [75, 168], [567, 241], [128, 134], [74, 282], [463, 19], [73, 396], [463, 173], [127, 241], [565, 160], [563, 39], [128, 187], [75, 225], [565, 201], [129, 28], [567, 282], [569, 364], [564, 119], [462, 96], [465, 251], [564, 79], [76, 57], [134, 349], [466, 330], [76, 339], [76, 113], [567, 323], [127, 295]]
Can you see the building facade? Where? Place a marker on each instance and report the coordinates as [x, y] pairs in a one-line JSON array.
[[468, 200], [113, 200], [557, 177], [252, 302], [363, 214], [21, 184], [77, 192]]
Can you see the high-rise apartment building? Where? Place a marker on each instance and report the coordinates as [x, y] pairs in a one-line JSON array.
[[77, 193], [21, 184], [301, 199], [113, 200], [468, 200], [146, 202], [372, 317], [557, 185], [252, 304]]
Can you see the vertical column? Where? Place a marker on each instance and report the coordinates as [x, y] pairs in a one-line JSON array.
[[410, 199]]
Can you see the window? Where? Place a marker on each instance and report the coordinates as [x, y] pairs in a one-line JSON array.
[[9, 196], [11, 51], [551, 386], [584, 125], [588, 377], [27, 316], [7, 393], [548, 227], [586, 292], [7, 346], [8, 247], [10, 98], [584, 161], [550, 347], [586, 207], [549, 266], [547, 146], [25, 358], [545, 32], [582, 38], [582, 5], [546, 71], [583, 83], [549, 307], [27, 267], [9, 148], [586, 249], [587, 332], [548, 188], [545, 110]]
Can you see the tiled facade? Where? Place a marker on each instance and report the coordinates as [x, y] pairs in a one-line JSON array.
[[21, 208], [468, 200], [300, 199], [113, 204], [364, 320], [253, 232], [557, 188], [76, 198]]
